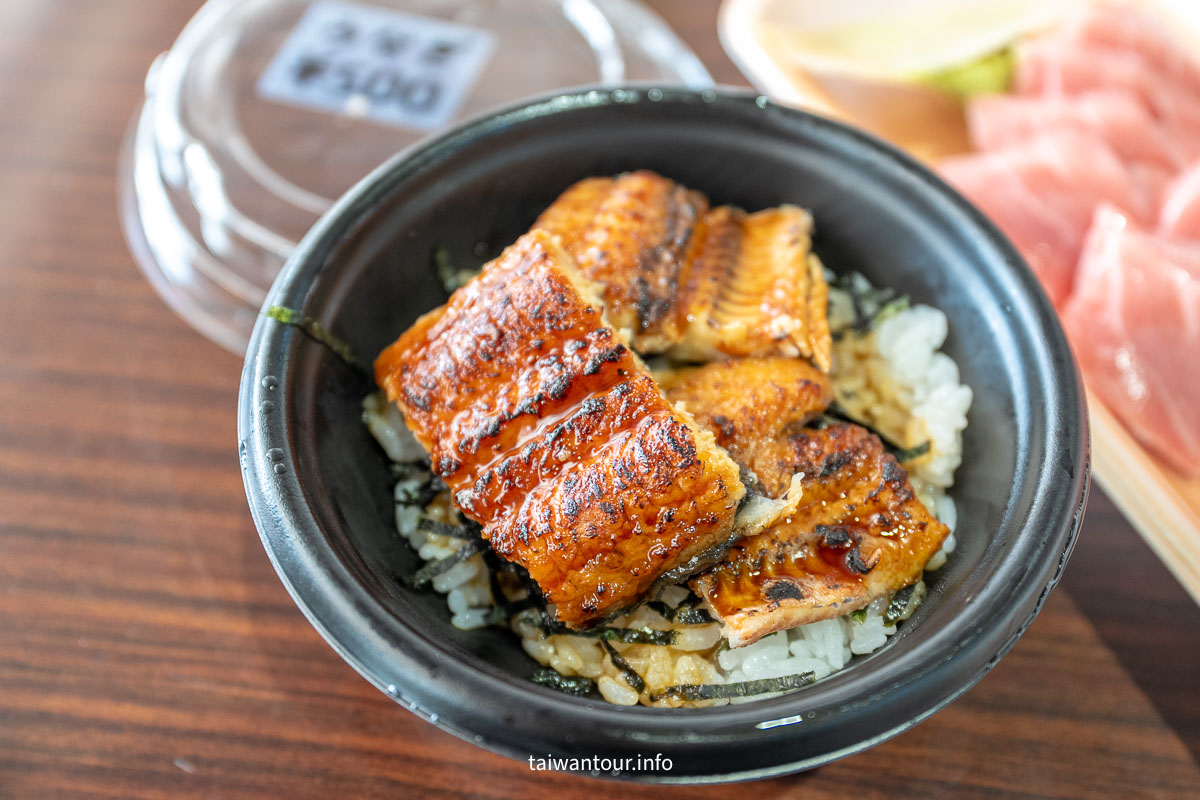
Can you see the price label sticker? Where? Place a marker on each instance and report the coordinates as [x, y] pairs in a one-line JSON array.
[[385, 65]]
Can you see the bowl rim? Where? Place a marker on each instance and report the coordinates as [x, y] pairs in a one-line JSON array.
[[378, 645]]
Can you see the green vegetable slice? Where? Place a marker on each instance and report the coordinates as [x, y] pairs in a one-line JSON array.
[[890, 309], [318, 333], [989, 74]]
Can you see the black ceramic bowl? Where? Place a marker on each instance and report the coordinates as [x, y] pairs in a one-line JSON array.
[[320, 489]]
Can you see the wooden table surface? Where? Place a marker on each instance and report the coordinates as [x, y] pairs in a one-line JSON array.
[[147, 648]]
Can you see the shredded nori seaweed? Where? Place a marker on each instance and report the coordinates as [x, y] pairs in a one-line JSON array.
[[434, 568], [862, 296], [871, 305], [319, 334], [419, 496], [685, 613], [859, 616], [446, 529], [691, 615], [660, 608], [901, 454], [626, 635], [578, 685], [896, 608], [405, 469], [499, 564], [552, 627], [912, 452], [504, 612], [629, 673], [497, 591], [716, 691], [452, 277], [633, 635]]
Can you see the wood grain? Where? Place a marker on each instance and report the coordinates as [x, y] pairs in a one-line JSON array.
[[1162, 504], [147, 649]]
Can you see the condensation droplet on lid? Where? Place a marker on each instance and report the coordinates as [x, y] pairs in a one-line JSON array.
[[433, 718], [274, 454], [391, 689], [708, 96], [761, 101], [655, 95], [280, 469], [270, 382], [266, 407]]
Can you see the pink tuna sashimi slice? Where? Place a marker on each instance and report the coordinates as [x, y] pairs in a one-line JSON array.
[[1053, 66], [1153, 182], [1180, 213], [1120, 119], [1042, 194], [1134, 323], [1042, 234], [1126, 28]]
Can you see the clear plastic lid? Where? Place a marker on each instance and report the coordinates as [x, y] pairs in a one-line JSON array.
[[264, 111]]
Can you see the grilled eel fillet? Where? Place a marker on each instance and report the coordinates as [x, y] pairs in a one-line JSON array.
[[695, 282], [859, 533], [552, 435], [749, 404]]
